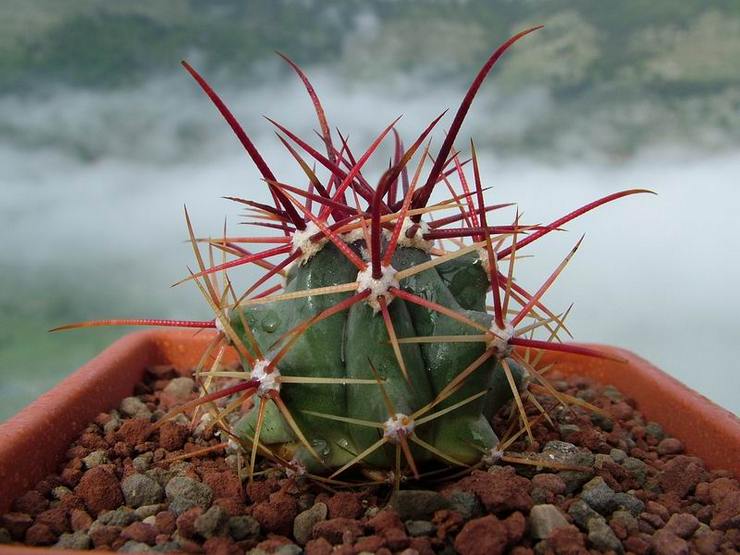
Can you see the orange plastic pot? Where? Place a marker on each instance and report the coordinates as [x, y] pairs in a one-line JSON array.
[[33, 442]]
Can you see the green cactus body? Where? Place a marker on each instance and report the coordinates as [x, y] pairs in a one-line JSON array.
[[347, 343]]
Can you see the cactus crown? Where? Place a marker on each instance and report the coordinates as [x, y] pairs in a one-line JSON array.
[[379, 348]]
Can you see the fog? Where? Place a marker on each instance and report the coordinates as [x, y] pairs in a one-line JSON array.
[[93, 186]]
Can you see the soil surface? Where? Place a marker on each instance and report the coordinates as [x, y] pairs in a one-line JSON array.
[[607, 481]]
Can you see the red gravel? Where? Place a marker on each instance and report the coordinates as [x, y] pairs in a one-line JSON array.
[[680, 506], [99, 489]]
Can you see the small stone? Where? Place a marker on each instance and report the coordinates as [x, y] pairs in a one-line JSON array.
[[209, 523], [420, 528], [625, 520], [338, 530], [143, 461], [114, 422], [139, 489], [145, 511], [417, 504], [95, 458], [568, 429], [682, 524], [482, 536], [99, 489], [60, 492], [629, 502], [670, 446], [543, 519], [668, 543], [465, 503], [167, 547], [140, 532], [618, 456], [549, 482], [76, 540], [243, 527], [172, 436], [636, 468], [40, 534], [180, 388], [16, 524], [602, 421], [185, 493], [654, 430], [708, 543], [132, 546], [135, 407], [612, 393], [726, 515], [599, 496], [288, 549], [5, 536], [602, 537], [122, 516], [582, 514], [303, 523]]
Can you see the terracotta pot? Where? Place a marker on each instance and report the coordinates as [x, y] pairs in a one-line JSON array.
[[35, 440]]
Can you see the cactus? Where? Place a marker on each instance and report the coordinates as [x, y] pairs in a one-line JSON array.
[[378, 349]]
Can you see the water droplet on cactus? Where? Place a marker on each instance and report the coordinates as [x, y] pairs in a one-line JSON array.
[[270, 322]]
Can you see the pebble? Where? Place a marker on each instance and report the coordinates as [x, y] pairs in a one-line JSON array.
[[581, 514], [185, 493], [95, 458], [180, 388], [420, 528], [668, 543], [210, 523], [682, 524], [618, 456], [654, 430], [60, 492], [602, 421], [417, 504], [599, 496], [670, 446], [113, 423], [625, 520], [122, 516], [629, 502], [143, 461], [602, 537], [482, 536], [139, 490], [145, 511], [543, 519], [76, 540], [135, 407], [636, 468], [243, 527], [612, 393], [99, 489], [305, 521], [134, 547], [465, 503]]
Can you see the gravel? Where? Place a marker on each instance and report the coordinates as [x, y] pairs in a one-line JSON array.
[[140, 490], [185, 493], [545, 518], [305, 521]]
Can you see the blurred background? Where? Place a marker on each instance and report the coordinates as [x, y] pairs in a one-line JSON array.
[[104, 138]]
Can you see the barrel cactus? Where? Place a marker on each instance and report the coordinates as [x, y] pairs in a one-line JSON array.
[[378, 349]]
